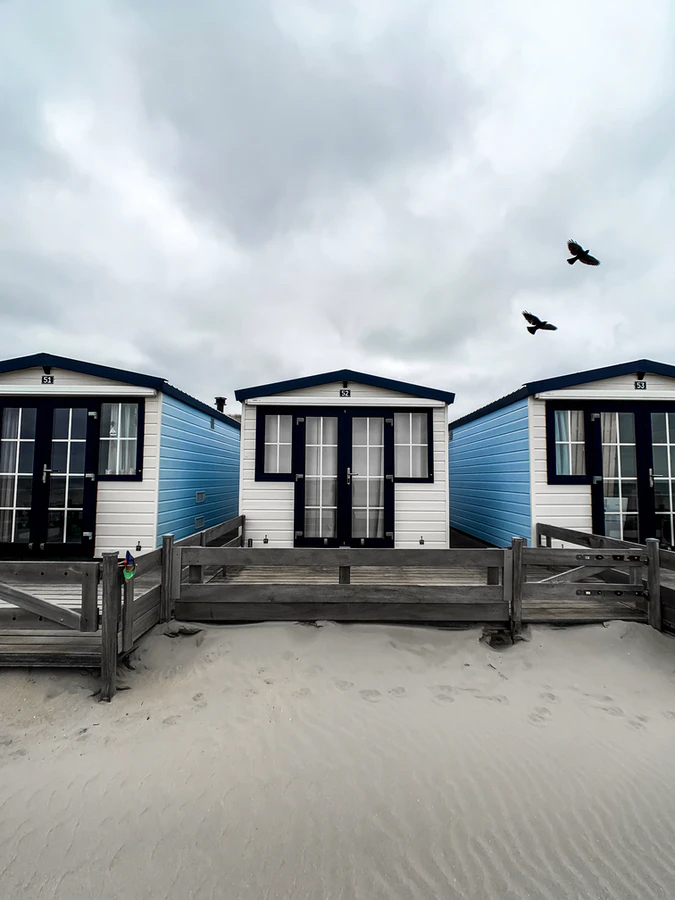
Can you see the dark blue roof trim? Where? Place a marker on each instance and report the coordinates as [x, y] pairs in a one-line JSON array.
[[133, 378], [295, 384], [649, 366]]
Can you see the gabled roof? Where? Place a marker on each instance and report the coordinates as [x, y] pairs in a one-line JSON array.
[[38, 360], [648, 366], [295, 384]]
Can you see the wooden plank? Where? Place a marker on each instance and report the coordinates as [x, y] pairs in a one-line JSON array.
[[507, 586], [167, 575], [654, 584], [196, 573], [111, 613], [223, 592], [543, 556], [42, 572], [149, 600], [263, 556], [148, 561], [545, 591], [145, 622], [89, 602], [50, 660], [128, 615], [343, 612], [517, 545], [667, 557], [176, 574], [578, 574], [40, 607], [12, 618], [217, 531]]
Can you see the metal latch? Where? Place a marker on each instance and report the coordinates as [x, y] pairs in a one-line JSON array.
[[299, 420], [93, 414], [298, 477], [597, 479], [389, 477], [88, 535], [389, 534], [91, 476], [299, 534]]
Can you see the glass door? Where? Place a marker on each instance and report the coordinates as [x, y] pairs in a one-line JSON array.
[[47, 481], [619, 475], [320, 524], [661, 476], [371, 492]]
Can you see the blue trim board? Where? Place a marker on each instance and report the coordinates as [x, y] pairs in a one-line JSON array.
[[195, 457], [38, 360], [489, 476], [345, 375], [645, 366]]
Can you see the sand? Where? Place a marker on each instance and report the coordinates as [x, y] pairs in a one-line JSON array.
[[280, 761]]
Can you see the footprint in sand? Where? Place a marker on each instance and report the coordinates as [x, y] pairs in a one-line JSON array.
[[397, 691], [668, 713], [612, 710], [637, 722], [18, 753], [443, 693], [539, 716], [170, 720], [302, 692], [344, 685], [371, 696], [198, 697], [552, 698], [313, 670], [493, 698]]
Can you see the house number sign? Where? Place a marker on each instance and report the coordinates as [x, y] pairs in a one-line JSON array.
[[345, 392], [640, 385], [48, 379]]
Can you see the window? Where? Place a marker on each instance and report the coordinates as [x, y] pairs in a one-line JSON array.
[[119, 441], [412, 457], [570, 442], [278, 430]]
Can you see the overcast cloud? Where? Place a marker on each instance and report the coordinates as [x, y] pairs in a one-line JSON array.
[[226, 194]]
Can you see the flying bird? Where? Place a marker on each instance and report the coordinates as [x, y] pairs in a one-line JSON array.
[[578, 253], [536, 324]]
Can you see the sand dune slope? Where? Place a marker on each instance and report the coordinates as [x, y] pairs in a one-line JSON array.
[[281, 761]]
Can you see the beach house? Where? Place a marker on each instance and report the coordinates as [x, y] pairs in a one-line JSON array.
[[592, 451], [96, 459], [344, 459]]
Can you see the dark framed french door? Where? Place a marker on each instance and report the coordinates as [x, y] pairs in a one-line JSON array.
[[343, 462], [47, 478], [633, 468]]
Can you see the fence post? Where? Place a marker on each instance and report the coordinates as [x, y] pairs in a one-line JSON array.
[[165, 591], [196, 573], [654, 583], [507, 584], [517, 545], [109, 625], [128, 616], [89, 607]]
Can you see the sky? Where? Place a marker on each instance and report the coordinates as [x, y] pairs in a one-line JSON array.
[[228, 194]]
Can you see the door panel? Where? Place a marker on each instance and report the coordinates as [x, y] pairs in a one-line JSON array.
[[662, 475], [619, 475], [17, 463], [367, 476], [321, 478]]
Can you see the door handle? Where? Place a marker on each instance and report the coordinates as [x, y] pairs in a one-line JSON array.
[[349, 475], [45, 472]]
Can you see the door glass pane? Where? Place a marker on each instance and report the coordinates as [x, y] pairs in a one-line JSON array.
[[55, 520], [78, 426], [60, 457], [663, 461], [662, 496], [659, 432], [60, 424], [74, 526], [619, 470], [367, 487], [660, 461], [321, 477], [17, 447], [57, 491]]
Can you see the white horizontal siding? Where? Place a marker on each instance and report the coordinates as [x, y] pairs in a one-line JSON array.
[[126, 511], [30, 381]]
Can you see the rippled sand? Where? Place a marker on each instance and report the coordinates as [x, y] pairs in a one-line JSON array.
[[282, 761]]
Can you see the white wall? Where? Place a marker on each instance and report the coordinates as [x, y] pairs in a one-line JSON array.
[[126, 512], [420, 509], [569, 506]]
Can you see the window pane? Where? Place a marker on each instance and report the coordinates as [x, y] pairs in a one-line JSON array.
[[55, 525], [578, 459], [7, 484], [627, 428], [659, 435], [57, 491], [662, 496], [608, 428], [402, 462], [376, 461], [328, 521], [10, 423], [22, 526], [284, 458], [661, 461], [628, 466], [285, 429], [419, 428], [78, 425], [6, 520], [77, 457], [107, 458], [672, 459], [311, 523], [359, 431], [359, 461], [271, 458], [312, 461], [402, 428], [26, 450], [420, 462], [562, 459], [359, 492], [329, 460], [610, 462], [561, 430], [107, 418], [329, 430], [376, 492], [59, 457], [612, 502], [376, 426], [359, 523], [28, 423], [664, 530], [613, 527], [671, 426], [376, 523], [7, 456], [630, 528], [128, 420], [311, 491], [74, 529], [127, 457], [312, 430], [60, 426], [271, 429], [75, 493], [329, 491], [629, 492], [576, 425]]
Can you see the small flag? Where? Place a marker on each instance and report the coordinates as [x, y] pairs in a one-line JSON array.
[[129, 569]]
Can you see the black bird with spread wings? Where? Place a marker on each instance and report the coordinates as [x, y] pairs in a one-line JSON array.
[[536, 324], [578, 253]]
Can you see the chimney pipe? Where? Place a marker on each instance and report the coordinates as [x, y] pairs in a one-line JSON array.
[[220, 403]]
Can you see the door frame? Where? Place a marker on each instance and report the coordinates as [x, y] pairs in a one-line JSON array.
[[38, 547]]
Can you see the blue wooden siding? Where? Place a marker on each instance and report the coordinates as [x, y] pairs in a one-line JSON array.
[[490, 476], [195, 457]]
